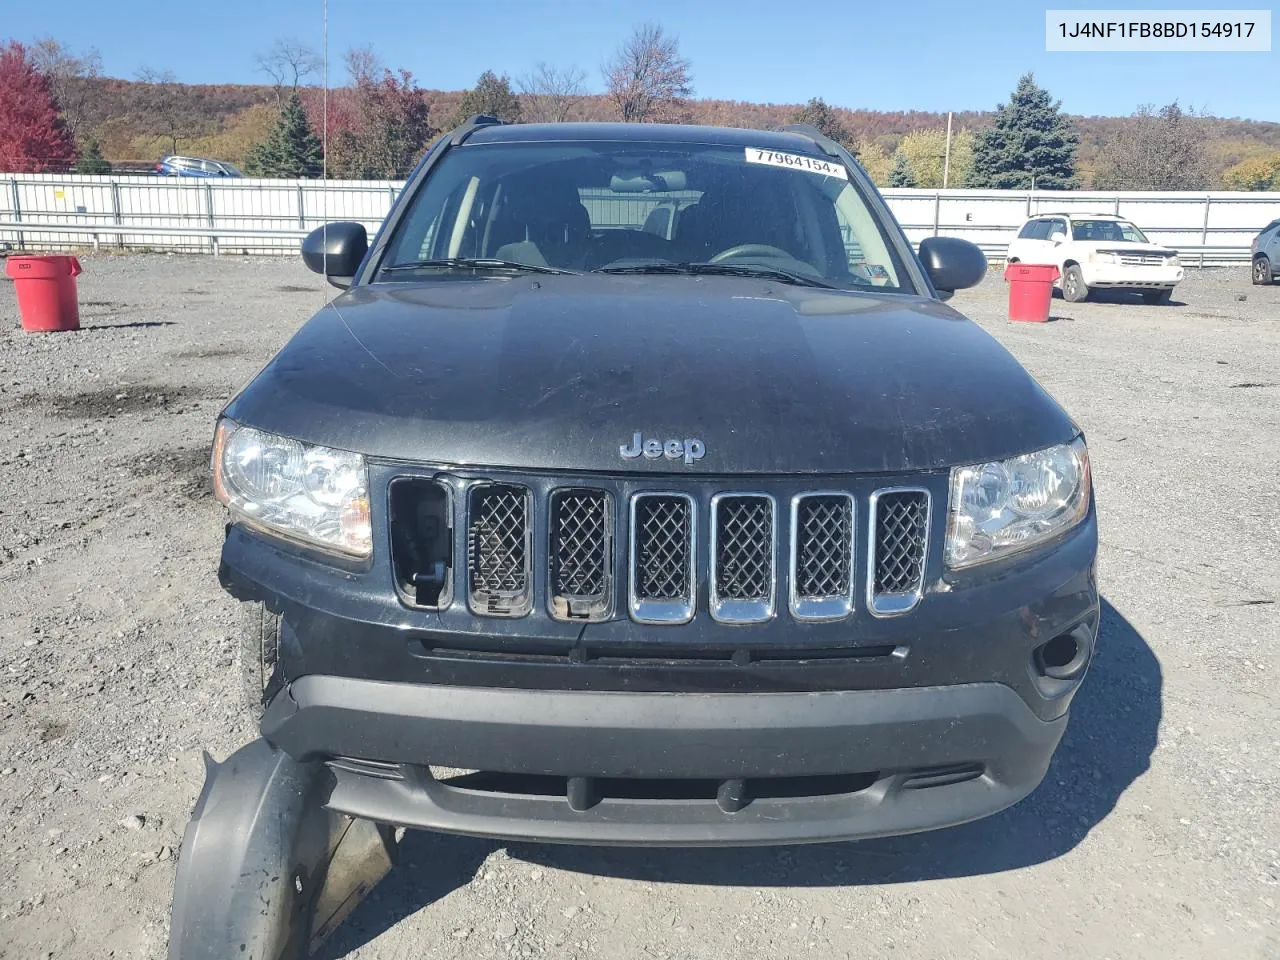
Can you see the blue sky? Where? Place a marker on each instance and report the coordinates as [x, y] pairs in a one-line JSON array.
[[923, 55]]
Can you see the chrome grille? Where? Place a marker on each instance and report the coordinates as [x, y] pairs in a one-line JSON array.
[[743, 545], [822, 556], [898, 539], [663, 584], [581, 555], [571, 535], [498, 554], [1137, 260]]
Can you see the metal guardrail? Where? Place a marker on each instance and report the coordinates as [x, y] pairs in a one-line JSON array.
[[96, 232]]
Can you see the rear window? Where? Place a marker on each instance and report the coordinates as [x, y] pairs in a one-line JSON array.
[[1108, 231]]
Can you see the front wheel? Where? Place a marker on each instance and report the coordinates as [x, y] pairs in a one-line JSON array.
[[1157, 296], [1073, 286], [1261, 271]]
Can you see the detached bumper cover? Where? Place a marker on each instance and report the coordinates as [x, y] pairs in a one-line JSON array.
[[894, 737]]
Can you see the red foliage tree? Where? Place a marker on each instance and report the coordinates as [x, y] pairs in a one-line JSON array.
[[33, 137], [379, 127]]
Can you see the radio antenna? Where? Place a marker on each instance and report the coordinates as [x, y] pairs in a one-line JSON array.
[[324, 147]]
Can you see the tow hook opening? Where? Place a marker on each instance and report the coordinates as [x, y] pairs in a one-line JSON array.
[[1062, 658]]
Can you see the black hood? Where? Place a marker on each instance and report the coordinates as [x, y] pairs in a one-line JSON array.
[[558, 372]]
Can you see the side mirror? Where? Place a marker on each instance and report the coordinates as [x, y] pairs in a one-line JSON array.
[[952, 264], [336, 250], [1058, 237]]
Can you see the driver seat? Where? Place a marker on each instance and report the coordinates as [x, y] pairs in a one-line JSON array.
[[727, 219]]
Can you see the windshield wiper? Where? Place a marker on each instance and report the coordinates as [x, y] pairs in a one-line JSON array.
[[474, 263], [722, 269]]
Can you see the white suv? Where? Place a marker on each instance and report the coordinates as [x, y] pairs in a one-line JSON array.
[[1097, 251]]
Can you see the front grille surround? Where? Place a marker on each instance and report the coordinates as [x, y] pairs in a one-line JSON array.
[[795, 582], [657, 531], [821, 559], [743, 557], [499, 549], [899, 597], [580, 554]]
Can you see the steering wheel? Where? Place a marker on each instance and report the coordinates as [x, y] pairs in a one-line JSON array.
[[750, 250]]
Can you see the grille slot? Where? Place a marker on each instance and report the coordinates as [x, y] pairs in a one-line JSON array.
[[421, 517], [663, 544], [822, 525], [898, 542], [498, 550], [581, 555], [743, 546]]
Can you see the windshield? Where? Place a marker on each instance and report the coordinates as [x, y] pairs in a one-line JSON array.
[[1111, 231], [645, 207]]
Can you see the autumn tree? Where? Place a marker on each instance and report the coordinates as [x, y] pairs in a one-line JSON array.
[[926, 154], [1261, 172], [389, 122], [875, 160], [33, 137], [71, 78], [822, 116], [1156, 150], [166, 107], [288, 63], [1029, 143], [550, 93], [647, 79], [492, 95]]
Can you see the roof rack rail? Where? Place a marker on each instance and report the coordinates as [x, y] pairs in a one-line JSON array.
[[829, 146], [471, 125]]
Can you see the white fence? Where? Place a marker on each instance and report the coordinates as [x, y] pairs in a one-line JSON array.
[[51, 211]]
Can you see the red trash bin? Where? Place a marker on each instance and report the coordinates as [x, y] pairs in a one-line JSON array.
[[46, 288], [1030, 291]]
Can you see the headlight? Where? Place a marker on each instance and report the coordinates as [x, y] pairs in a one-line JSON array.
[[1174, 261], [308, 493], [1009, 505], [1105, 258]]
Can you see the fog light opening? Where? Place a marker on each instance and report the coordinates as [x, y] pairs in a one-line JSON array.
[[1061, 658]]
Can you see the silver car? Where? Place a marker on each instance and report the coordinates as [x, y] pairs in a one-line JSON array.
[[1266, 254]]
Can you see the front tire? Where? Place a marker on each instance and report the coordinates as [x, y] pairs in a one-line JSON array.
[[1074, 288], [259, 658], [1262, 276], [1154, 297]]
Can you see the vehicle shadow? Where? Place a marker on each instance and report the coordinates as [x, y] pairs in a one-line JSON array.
[[1114, 726]]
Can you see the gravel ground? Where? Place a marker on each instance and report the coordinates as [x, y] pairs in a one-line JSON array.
[[1156, 833]]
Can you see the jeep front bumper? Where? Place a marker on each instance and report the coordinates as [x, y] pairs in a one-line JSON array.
[[663, 768]]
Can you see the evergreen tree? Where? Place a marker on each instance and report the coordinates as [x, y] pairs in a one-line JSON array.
[[491, 95], [1029, 138], [91, 159], [819, 113], [900, 175], [291, 150]]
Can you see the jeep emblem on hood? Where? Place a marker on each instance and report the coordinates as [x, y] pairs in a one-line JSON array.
[[691, 450]]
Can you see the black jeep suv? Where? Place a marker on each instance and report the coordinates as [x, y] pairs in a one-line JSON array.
[[641, 488]]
